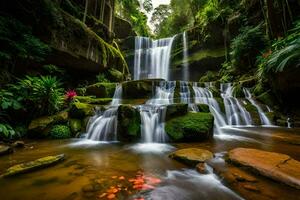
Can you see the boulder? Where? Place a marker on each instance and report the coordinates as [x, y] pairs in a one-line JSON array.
[[203, 108], [140, 89], [190, 127], [129, 122], [80, 110], [175, 110], [279, 167], [75, 125], [18, 144], [5, 150], [41, 124], [32, 165], [191, 156], [101, 90], [115, 75]]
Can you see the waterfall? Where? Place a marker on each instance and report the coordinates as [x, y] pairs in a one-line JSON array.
[[152, 58], [205, 96], [185, 94], [153, 113], [185, 57], [103, 126], [236, 114], [263, 117]]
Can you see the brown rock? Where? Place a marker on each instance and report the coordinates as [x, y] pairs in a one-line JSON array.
[[18, 144], [251, 187], [279, 167], [4, 149], [191, 156], [202, 168]]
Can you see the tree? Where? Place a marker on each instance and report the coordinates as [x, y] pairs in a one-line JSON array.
[[148, 6], [160, 14]]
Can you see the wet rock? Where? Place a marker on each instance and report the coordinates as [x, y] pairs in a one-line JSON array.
[[93, 100], [18, 144], [5, 150], [243, 177], [191, 156], [33, 165], [190, 127], [175, 110], [279, 167], [81, 110], [129, 122], [251, 187], [75, 125], [101, 90], [202, 168], [203, 108]]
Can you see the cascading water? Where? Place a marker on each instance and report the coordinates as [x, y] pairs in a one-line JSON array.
[[154, 111], [103, 126], [185, 94], [263, 117], [236, 114], [152, 58], [205, 96], [185, 57]]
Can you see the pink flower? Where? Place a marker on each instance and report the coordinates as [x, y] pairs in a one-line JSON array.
[[70, 94]]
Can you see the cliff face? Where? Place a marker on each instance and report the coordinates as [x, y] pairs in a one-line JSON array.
[[79, 32]]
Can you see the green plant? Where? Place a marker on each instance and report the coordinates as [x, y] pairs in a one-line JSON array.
[[248, 44], [60, 132], [52, 69], [101, 78], [8, 100], [7, 132], [44, 93]]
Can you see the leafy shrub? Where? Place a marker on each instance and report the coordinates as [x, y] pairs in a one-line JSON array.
[[7, 132], [44, 93], [101, 78], [17, 41], [283, 54], [247, 45], [52, 69], [8, 100], [60, 132]]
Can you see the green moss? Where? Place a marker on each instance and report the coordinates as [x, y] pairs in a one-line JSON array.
[[175, 110], [238, 91], [254, 113], [80, 110], [115, 75], [268, 99], [210, 76], [221, 103], [128, 123], [203, 108], [192, 126], [60, 132], [93, 100], [140, 89], [101, 90], [75, 125]]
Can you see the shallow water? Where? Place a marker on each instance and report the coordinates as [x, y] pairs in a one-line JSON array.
[[108, 166]]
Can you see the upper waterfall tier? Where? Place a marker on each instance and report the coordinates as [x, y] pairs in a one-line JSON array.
[[152, 58]]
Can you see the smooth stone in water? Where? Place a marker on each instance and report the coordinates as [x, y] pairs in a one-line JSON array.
[[277, 166], [191, 156], [5, 150], [18, 144], [33, 165]]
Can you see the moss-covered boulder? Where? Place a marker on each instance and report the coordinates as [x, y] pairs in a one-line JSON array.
[[80, 110], [115, 75], [203, 108], [190, 127], [75, 125], [221, 103], [93, 100], [175, 110], [191, 156], [254, 113], [101, 90], [33, 165], [40, 127], [140, 89], [268, 99], [129, 122], [238, 91]]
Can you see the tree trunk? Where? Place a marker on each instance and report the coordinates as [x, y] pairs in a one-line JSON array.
[[274, 20]]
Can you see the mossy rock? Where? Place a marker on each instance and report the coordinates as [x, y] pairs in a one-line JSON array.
[[190, 127], [39, 128], [140, 89], [33, 165], [268, 99], [221, 103], [101, 90], [60, 132], [254, 113], [175, 110], [93, 100], [203, 108], [115, 75], [80, 110], [238, 91], [129, 122], [75, 125], [215, 91]]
